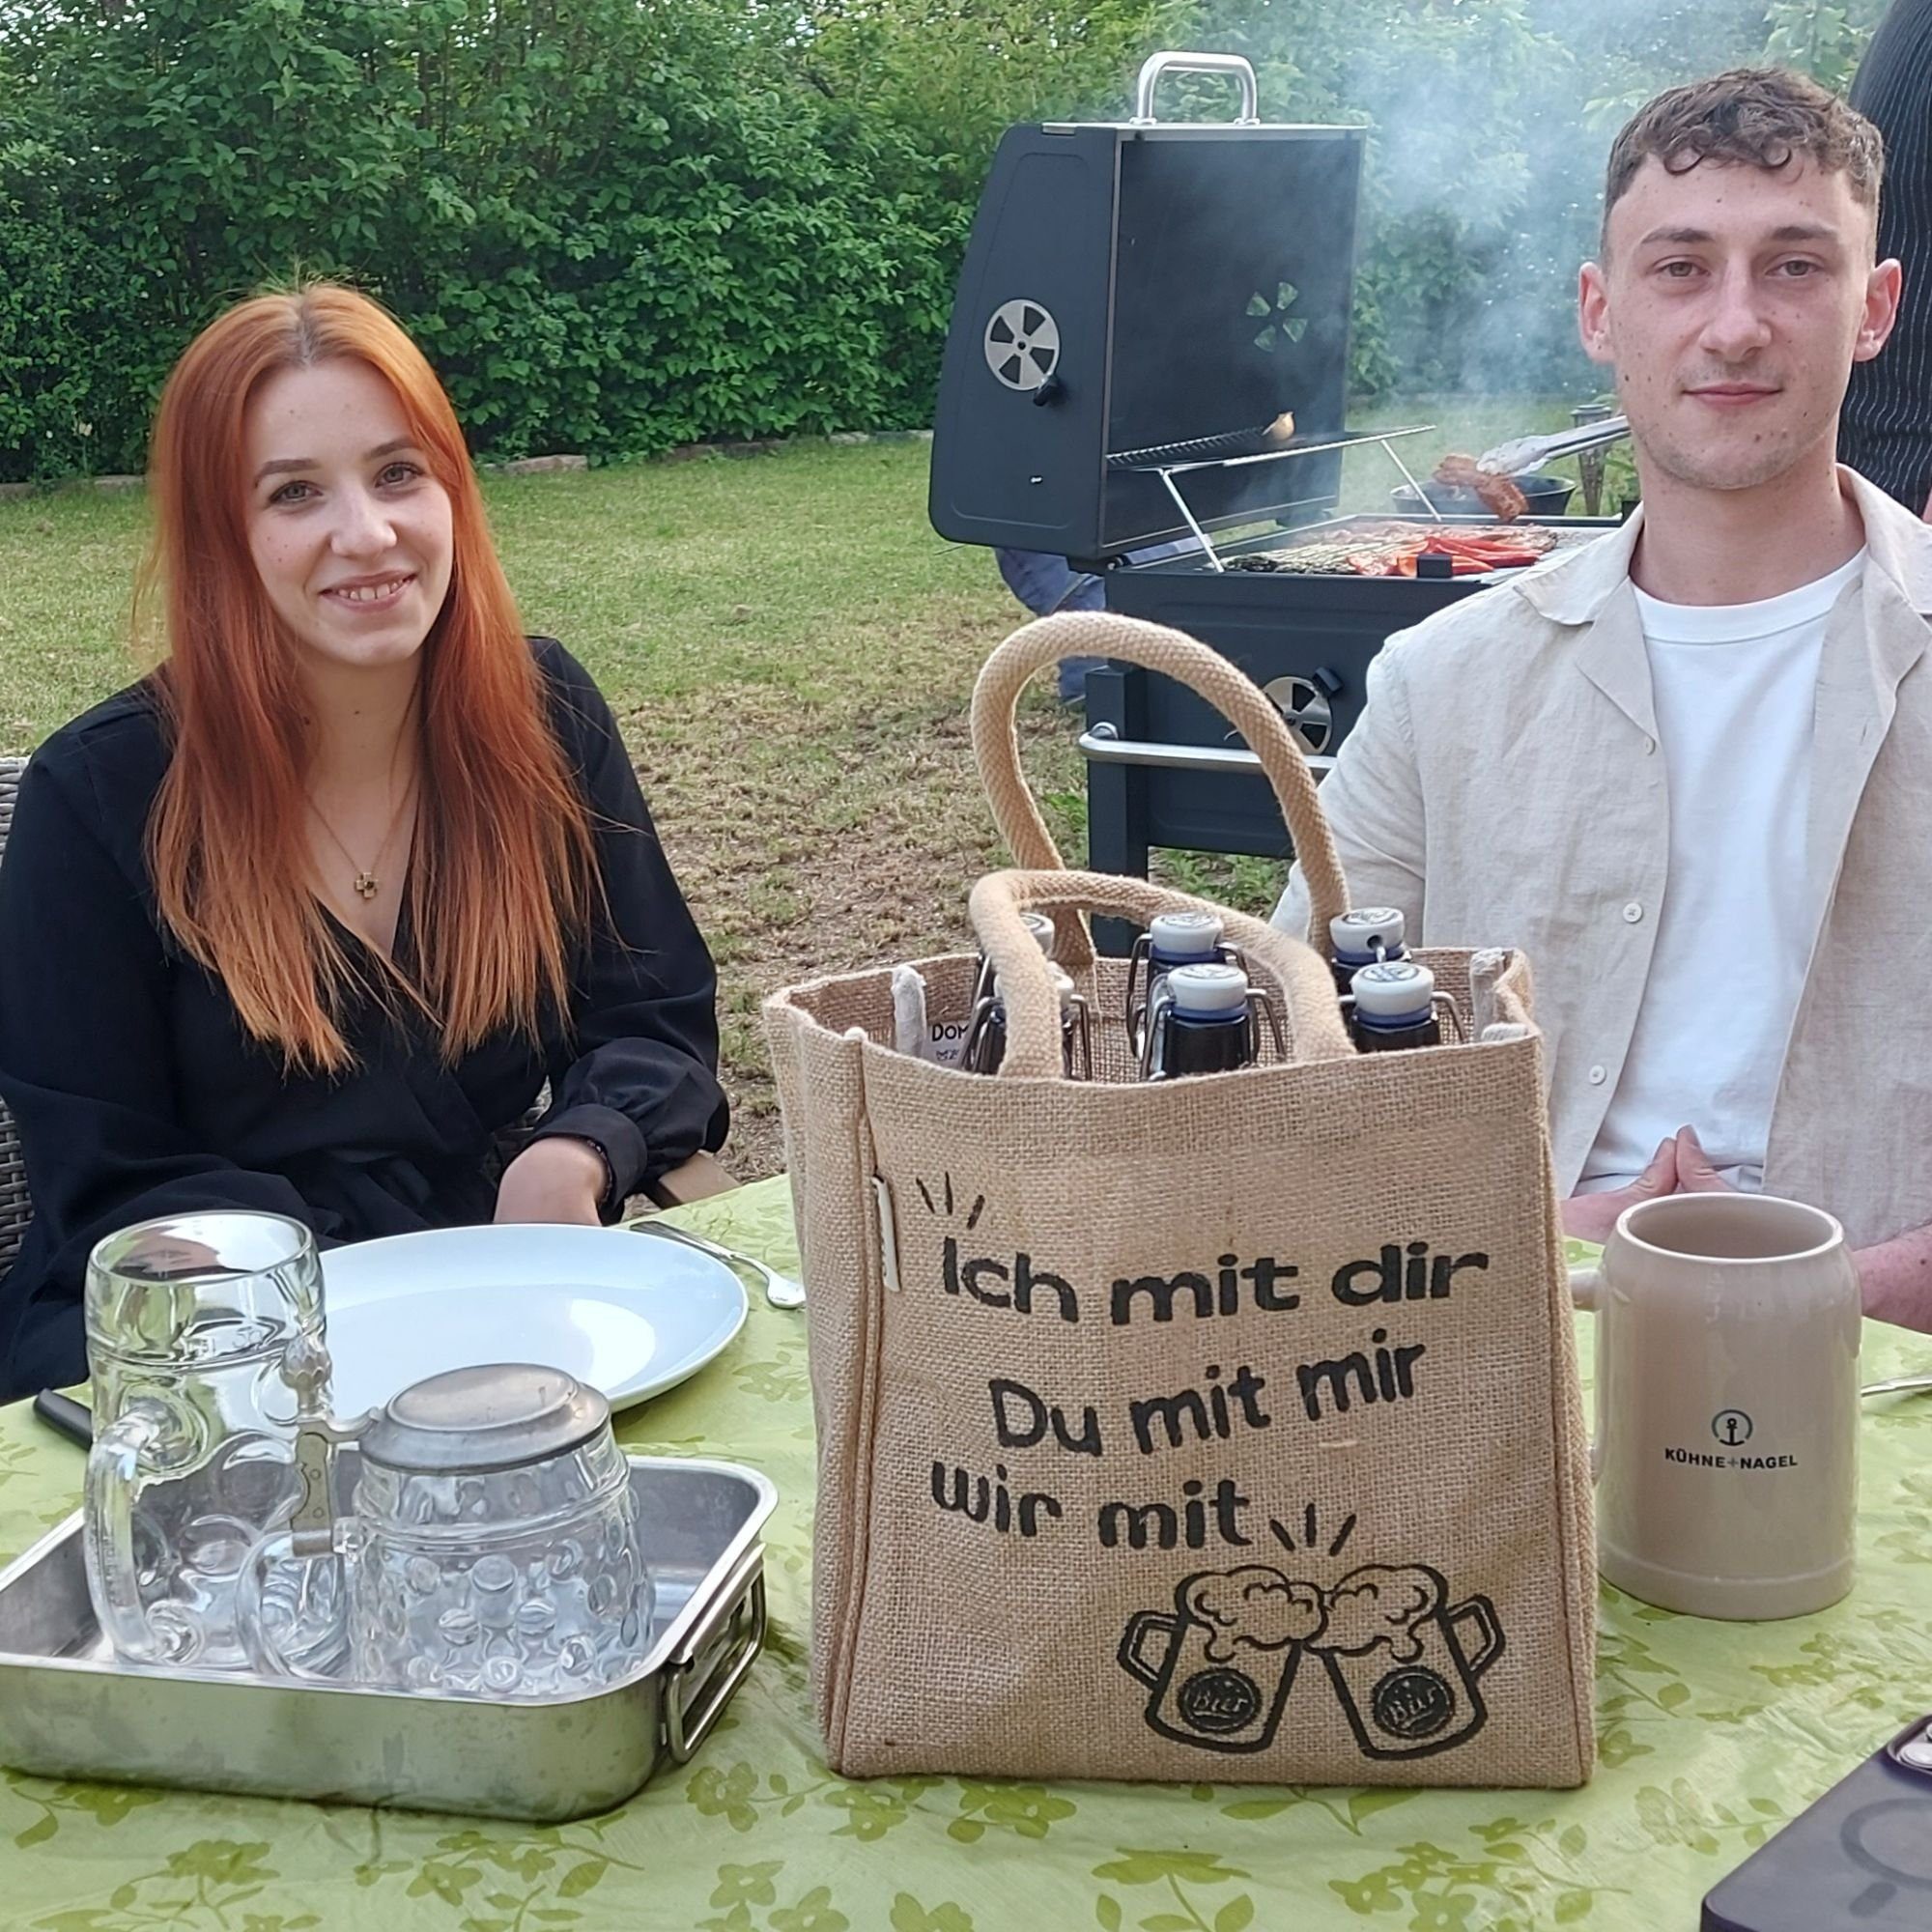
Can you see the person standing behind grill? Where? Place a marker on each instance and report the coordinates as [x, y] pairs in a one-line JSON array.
[[1045, 584], [303, 920], [1688, 766], [1886, 431]]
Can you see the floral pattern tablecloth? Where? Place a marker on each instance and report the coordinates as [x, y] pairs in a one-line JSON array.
[[1710, 1736]]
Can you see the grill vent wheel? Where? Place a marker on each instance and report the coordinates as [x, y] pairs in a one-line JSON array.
[[1305, 706], [1022, 345]]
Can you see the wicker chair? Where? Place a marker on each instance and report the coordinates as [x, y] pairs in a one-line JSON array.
[[15, 1209], [701, 1176]]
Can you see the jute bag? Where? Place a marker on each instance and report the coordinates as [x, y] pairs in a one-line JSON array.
[[1218, 1429]]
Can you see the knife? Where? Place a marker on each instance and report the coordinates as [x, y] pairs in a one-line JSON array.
[[61, 1413]]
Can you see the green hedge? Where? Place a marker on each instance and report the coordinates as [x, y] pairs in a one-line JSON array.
[[615, 227], [622, 225]]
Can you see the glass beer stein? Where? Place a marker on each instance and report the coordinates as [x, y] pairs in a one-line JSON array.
[[493, 1548], [198, 1326]]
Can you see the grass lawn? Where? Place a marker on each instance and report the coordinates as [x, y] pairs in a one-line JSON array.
[[790, 649]]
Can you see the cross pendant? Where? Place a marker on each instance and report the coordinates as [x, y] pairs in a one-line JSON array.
[[366, 885]]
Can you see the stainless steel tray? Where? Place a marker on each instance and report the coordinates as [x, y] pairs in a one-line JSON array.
[[68, 1710]]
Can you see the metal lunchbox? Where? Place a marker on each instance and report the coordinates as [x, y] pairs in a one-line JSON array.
[[69, 1709]]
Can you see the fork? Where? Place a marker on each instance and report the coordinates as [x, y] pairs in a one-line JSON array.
[[1901, 1385], [781, 1291]]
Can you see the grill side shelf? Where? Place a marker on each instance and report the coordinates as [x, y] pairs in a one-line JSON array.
[[1101, 746], [1250, 445]]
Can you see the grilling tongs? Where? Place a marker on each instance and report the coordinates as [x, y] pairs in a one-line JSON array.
[[1525, 453]]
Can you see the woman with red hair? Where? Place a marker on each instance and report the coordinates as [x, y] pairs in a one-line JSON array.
[[304, 920]]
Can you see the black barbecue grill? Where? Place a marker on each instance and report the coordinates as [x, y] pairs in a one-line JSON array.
[[1140, 303]]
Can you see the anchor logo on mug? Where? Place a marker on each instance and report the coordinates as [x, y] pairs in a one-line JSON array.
[[1403, 1661]]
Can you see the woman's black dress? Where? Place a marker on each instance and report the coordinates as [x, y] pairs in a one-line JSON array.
[[137, 1092]]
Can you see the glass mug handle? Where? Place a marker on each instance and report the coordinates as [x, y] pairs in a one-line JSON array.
[[309, 1548], [322, 1646], [1586, 1291], [138, 1443]]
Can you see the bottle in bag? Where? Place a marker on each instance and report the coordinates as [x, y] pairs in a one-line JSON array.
[[1043, 936], [1171, 939], [1200, 1021], [985, 1049], [1395, 1007], [1364, 937]]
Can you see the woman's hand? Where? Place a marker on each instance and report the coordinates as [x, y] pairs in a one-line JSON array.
[[554, 1179]]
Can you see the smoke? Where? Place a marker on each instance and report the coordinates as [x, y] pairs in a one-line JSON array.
[[1491, 122]]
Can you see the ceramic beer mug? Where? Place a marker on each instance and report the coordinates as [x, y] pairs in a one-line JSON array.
[[1728, 1405], [196, 1325], [492, 1548]]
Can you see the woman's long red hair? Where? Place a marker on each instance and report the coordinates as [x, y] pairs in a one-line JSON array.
[[502, 875]]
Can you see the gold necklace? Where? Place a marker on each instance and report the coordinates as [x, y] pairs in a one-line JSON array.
[[367, 882]]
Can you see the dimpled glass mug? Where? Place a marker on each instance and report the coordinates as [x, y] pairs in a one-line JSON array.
[[493, 1548], [199, 1328]]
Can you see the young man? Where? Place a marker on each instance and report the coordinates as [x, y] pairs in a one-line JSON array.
[[1687, 767]]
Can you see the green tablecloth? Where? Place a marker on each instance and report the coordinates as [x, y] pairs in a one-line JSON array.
[[1710, 1735]]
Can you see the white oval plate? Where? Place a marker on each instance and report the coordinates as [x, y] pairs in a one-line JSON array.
[[621, 1312]]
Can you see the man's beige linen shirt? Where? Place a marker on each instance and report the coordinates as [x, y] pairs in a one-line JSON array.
[[1503, 787]]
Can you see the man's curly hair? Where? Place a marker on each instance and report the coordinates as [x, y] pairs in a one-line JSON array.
[[1759, 117]]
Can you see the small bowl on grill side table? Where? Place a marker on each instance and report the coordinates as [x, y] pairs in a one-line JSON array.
[[1545, 495]]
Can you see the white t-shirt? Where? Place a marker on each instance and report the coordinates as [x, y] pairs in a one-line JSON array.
[[1735, 686]]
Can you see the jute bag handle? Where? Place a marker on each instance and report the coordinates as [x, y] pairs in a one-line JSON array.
[[1314, 1016], [1070, 633]]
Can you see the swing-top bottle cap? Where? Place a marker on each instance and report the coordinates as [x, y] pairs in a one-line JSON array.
[[1063, 983], [1185, 935], [1359, 930], [1393, 989], [1208, 992], [1041, 927]]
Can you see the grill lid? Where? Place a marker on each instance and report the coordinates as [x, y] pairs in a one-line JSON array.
[[1134, 292]]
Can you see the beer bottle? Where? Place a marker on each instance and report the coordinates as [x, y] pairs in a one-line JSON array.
[[1171, 939], [1184, 939], [1043, 936], [1363, 936], [1200, 1021], [1395, 1007], [986, 1048]]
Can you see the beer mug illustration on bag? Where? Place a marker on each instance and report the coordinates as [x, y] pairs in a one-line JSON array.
[[1395, 1650], [1396, 1656], [1231, 1649]]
